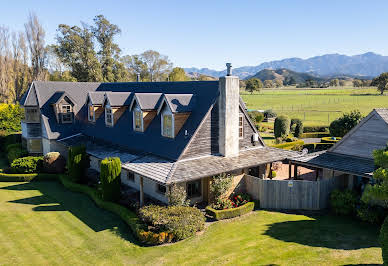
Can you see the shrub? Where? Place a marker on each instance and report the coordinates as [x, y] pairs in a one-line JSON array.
[[384, 240], [13, 146], [343, 202], [223, 204], [177, 196], [230, 213], [269, 113], [288, 145], [296, 127], [220, 185], [110, 178], [316, 129], [314, 135], [256, 117], [10, 118], [54, 162], [26, 165], [181, 221], [274, 174], [240, 199], [371, 214], [78, 162], [16, 152], [344, 124], [281, 126]]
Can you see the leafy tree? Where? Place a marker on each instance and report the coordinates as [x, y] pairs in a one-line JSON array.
[[268, 83], [334, 83], [135, 65], [220, 185], [278, 83], [342, 82], [110, 178], [341, 126], [157, 65], [381, 82], [253, 84], [177, 196], [357, 83], [178, 74], [296, 127], [281, 126], [289, 81]]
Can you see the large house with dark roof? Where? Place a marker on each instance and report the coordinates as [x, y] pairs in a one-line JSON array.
[[163, 132]]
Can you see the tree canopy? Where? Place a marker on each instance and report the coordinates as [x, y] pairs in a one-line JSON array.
[[381, 82], [342, 125], [253, 84]]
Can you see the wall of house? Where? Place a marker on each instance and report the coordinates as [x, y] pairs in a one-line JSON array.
[[53, 145], [246, 141], [95, 163]]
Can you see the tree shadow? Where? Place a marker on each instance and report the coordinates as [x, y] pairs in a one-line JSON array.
[[327, 231], [57, 198]]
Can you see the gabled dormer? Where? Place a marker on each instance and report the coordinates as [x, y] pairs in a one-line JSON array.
[[63, 106], [94, 102], [174, 110], [144, 109], [115, 104]]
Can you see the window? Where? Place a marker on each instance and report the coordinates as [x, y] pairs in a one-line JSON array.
[[167, 126], [108, 116], [138, 124], [194, 189], [161, 189], [67, 118], [241, 126], [91, 113], [131, 176], [34, 145], [31, 115], [66, 108]]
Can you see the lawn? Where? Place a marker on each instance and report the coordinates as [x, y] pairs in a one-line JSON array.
[[316, 106], [43, 223]]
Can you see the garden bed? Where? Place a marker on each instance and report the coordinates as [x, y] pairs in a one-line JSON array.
[[230, 213]]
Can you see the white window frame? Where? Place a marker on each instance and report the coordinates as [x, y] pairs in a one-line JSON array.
[[138, 110], [167, 112], [241, 127], [106, 116], [94, 113], [68, 107]]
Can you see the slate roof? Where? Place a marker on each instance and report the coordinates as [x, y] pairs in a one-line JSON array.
[[96, 98], [147, 101], [167, 171], [339, 162], [180, 103], [383, 112], [119, 98]]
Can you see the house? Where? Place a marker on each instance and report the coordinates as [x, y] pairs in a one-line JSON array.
[[164, 132], [351, 159]]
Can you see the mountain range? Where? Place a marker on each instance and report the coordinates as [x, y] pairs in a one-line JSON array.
[[284, 74], [363, 65]]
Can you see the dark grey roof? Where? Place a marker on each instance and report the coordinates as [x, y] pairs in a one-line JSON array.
[[383, 112], [339, 162], [96, 98], [29, 98], [147, 101], [118, 98], [180, 103]]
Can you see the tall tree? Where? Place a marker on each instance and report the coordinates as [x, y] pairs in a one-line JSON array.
[[253, 84], [268, 83], [381, 82], [158, 66], [36, 43], [104, 32], [135, 66], [178, 74], [75, 48], [5, 63]]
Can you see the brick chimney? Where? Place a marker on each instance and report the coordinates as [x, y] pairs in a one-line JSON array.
[[228, 105]]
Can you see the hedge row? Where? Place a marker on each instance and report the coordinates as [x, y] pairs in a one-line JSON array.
[[230, 213], [314, 135], [288, 145], [318, 146], [330, 140], [26, 177]]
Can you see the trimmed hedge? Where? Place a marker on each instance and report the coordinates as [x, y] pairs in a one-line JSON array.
[[288, 145], [110, 178], [78, 162], [282, 126], [26, 165], [318, 146], [321, 129], [26, 177], [230, 213], [307, 135], [330, 140]]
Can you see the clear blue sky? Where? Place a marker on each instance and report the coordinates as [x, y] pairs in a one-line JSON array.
[[210, 33]]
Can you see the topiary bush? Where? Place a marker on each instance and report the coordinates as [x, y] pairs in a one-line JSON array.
[[54, 162], [384, 240], [281, 126], [296, 127], [343, 202], [269, 113], [78, 162], [230, 213], [110, 178], [181, 221], [26, 165]]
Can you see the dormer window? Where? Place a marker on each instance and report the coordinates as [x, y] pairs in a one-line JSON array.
[[67, 115], [108, 116], [91, 114], [167, 125], [138, 120]]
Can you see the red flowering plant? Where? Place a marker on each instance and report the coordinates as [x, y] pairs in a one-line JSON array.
[[240, 199]]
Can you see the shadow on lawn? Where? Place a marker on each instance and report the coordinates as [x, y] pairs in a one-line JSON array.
[[327, 231], [56, 198]]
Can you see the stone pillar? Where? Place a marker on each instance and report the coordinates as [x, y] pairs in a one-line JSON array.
[[228, 104]]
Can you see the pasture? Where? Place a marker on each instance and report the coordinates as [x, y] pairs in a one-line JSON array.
[[316, 106]]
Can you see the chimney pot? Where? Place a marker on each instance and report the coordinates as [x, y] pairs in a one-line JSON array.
[[228, 69]]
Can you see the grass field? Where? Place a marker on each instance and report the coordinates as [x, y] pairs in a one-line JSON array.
[[41, 223], [316, 106]]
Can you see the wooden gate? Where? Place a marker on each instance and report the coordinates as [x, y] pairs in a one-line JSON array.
[[291, 194]]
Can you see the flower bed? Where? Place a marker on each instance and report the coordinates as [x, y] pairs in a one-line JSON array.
[[230, 213]]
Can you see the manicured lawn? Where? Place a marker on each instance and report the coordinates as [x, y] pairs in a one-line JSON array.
[[316, 106], [43, 224]]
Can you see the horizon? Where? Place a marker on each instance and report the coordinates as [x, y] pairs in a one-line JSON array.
[[224, 31]]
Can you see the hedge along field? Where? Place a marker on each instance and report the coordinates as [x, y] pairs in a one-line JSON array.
[[316, 106]]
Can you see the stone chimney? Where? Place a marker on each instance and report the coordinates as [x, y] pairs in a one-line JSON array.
[[228, 105]]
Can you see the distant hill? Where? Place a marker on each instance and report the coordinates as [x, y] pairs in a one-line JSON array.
[[363, 65], [282, 74], [198, 76]]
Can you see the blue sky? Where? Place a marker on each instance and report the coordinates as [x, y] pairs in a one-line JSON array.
[[210, 33]]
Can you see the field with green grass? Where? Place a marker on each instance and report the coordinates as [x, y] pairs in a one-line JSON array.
[[316, 106], [41, 223]]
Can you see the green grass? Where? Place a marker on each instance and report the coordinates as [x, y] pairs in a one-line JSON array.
[[41, 223], [316, 106]]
